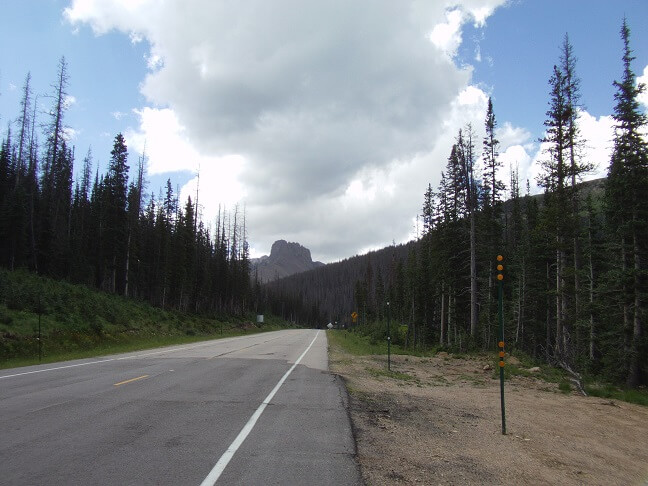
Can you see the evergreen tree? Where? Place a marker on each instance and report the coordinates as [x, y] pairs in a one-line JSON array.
[[627, 193], [493, 186], [55, 180], [24, 124], [556, 180], [428, 210], [577, 167], [491, 226], [467, 160], [116, 232], [55, 131]]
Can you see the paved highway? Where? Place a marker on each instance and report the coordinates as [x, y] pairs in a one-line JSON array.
[[250, 410]]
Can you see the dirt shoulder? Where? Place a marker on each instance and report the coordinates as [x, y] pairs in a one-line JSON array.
[[438, 421]]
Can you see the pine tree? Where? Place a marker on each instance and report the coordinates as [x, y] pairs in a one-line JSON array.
[[56, 129], [467, 161], [54, 180], [576, 166], [493, 186], [135, 191], [627, 193], [24, 123], [428, 210], [116, 235], [555, 180], [491, 226]]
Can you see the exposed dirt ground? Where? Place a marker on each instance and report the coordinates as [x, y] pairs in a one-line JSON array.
[[438, 421]]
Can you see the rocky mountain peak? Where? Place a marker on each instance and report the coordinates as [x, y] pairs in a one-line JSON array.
[[284, 251], [286, 258]]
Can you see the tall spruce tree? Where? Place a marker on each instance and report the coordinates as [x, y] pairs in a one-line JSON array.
[[116, 216], [55, 130], [577, 167], [627, 193], [554, 179], [493, 187], [563, 169], [24, 124]]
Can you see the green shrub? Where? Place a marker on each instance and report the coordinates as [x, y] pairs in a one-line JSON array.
[[97, 326], [607, 390], [5, 317], [564, 386]]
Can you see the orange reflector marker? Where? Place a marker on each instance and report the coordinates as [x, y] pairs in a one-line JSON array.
[[500, 268], [500, 258], [500, 276], [502, 364], [502, 354], [501, 344]]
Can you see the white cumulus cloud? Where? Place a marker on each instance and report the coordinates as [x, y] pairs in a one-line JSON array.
[[643, 98], [596, 134], [334, 115], [447, 35], [166, 145]]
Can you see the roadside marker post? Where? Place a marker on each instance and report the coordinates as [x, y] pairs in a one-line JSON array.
[[40, 341], [388, 337], [500, 312]]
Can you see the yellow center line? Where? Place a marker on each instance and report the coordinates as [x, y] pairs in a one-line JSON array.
[[132, 379]]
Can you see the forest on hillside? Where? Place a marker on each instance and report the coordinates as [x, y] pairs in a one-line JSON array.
[[575, 277], [104, 231]]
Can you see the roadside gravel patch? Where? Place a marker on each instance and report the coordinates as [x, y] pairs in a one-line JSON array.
[[438, 421]]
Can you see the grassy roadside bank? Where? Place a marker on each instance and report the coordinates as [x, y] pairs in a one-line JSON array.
[[78, 322], [79, 346], [518, 365]]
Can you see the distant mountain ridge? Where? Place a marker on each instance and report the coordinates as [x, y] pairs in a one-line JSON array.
[[285, 259]]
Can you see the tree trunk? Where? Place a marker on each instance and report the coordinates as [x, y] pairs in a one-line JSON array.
[[113, 284], [558, 348], [577, 265], [592, 330], [564, 301], [32, 236], [451, 307], [450, 322], [626, 306], [519, 330], [548, 314], [127, 263], [442, 337], [489, 312], [473, 278], [635, 371]]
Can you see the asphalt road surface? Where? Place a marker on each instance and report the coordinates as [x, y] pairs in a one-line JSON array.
[[252, 410]]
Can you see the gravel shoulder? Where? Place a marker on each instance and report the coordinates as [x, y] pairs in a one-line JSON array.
[[438, 421]]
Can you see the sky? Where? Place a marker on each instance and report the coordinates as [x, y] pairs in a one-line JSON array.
[[323, 120]]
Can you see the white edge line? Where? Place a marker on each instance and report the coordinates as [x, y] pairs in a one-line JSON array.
[[224, 460], [143, 355]]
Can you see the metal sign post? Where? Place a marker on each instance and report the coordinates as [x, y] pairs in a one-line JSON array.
[[40, 342], [388, 338], [500, 278]]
